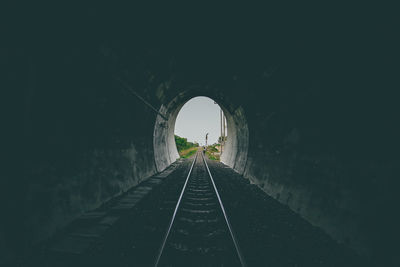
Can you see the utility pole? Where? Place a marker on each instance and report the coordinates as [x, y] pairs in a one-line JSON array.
[[206, 138], [222, 132], [224, 126], [223, 129]]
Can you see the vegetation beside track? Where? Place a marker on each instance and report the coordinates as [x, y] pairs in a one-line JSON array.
[[185, 148], [188, 152], [212, 152]]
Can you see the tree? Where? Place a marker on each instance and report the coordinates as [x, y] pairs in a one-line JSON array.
[[182, 143]]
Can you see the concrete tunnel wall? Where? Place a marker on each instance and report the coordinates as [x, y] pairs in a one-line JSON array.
[[107, 141], [279, 172], [110, 141]]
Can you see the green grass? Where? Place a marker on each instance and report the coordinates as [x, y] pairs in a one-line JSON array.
[[183, 144], [211, 156], [185, 149], [188, 152]]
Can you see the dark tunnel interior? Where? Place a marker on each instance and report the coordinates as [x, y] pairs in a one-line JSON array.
[[309, 96]]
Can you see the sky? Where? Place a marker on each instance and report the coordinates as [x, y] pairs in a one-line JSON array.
[[196, 118]]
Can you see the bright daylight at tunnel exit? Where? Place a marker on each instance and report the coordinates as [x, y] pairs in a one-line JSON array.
[[201, 122]]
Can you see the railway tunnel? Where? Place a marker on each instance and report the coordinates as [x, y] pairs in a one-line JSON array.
[[315, 130], [164, 144]]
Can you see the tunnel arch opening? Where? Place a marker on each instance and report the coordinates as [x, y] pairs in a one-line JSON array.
[[236, 146], [200, 117]]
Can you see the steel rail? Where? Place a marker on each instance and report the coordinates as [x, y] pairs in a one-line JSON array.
[[173, 216], [238, 251]]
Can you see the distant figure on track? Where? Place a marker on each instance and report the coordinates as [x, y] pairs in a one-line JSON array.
[[204, 149]]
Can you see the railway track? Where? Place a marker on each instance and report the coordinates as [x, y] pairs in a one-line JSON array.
[[199, 233]]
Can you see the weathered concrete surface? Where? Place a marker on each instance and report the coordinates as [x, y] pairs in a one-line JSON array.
[[106, 174], [95, 230], [314, 120]]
